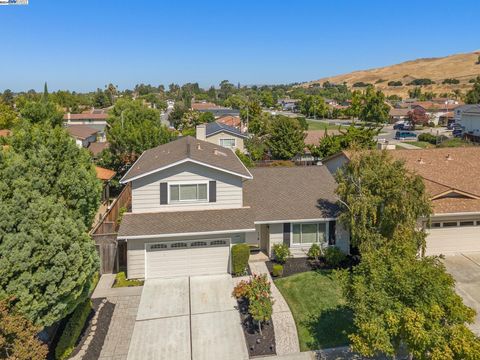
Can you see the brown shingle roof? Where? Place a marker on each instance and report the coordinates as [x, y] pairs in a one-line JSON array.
[[291, 193], [453, 168], [204, 106], [398, 112], [81, 131], [455, 205], [88, 116], [184, 149], [313, 136], [161, 223], [97, 147]]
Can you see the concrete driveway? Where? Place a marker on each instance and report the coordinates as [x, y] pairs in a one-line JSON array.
[[465, 268], [188, 318]]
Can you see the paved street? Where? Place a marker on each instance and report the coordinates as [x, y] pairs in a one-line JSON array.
[[187, 318], [465, 268]]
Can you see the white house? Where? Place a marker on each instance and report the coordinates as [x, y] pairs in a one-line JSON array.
[[470, 122], [222, 134], [192, 200]]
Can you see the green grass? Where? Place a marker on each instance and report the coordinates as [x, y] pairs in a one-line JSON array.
[[318, 307], [121, 281], [421, 144], [455, 142], [321, 125]]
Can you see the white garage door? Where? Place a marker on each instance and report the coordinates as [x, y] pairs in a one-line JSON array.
[[186, 258], [453, 239]]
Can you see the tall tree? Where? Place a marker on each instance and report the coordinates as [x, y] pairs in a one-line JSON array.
[[8, 117], [473, 95], [134, 128], [42, 112], [45, 93], [356, 105], [286, 138], [7, 98], [18, 336], [374, 107], [378, 196]]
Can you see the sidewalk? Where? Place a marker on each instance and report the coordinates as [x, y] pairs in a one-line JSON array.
[[104, 288], [286, 337]]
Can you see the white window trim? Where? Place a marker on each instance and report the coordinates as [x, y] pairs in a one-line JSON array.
[[205, 182], [327, 229], [229, 147]]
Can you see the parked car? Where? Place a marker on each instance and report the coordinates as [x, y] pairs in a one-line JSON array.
[[457, 133], [403, 126], [403, 135]]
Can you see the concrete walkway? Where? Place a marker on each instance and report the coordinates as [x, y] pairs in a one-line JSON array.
[[104, 288], [286, 337]]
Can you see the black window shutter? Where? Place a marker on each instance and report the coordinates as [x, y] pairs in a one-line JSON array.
[[212, 191], [163, 193], [286, 234], [332, 227]]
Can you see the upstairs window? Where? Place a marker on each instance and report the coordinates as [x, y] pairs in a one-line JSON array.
[[228, 143], [188, 192]]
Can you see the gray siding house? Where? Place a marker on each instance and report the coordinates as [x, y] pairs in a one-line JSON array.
[[192, 200]]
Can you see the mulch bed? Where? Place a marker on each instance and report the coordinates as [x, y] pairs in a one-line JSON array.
[[258, 345], [103, 322], [299, 265]]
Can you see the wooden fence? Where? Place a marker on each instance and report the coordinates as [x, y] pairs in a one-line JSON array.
[[104, 233]]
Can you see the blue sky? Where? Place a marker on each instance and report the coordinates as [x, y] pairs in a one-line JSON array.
[[82, 45]]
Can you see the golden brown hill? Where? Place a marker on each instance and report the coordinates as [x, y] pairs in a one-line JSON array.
[[462, 67]]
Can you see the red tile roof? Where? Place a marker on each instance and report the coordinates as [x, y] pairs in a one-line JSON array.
[[104, 174]]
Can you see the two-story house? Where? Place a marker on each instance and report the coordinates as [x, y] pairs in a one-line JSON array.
[[192, 200], [223, 135]]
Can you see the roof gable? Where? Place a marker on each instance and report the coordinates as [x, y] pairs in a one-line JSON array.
[[186, 149], [215, 128]]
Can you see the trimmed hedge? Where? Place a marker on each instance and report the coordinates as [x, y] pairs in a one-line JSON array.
[[72, 330], [277, 270], [240, 256]]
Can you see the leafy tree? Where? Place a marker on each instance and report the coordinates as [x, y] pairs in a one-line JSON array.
[[206, 117], [18, 336], [55, 166], [473, 95], [286, 138], [374, 108], [399, 300], [176, 115], [256, 147], [394, 83], [259, 125], [352, 138], [7, 98], [46, 112], [8, 117], [226, 89], [356, 105], [415, 93], [134, 128], [313, 106], [378, 196], [101, 99], [48, 261], [246, 160], [251, 111]]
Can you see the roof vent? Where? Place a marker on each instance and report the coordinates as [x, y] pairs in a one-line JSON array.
[[420, 161], [199, 147], [218, 152], [449, 157]]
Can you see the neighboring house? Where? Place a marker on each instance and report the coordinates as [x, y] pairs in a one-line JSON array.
[[230, 120], [398, 114], [95, 118], [191, 201], [288, 104], [459, 111], [83, 135], [105, 175], [96, 148], [470, 122], [223, 135], [451, 180], [313, 137]]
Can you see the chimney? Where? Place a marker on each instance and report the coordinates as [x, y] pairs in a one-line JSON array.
[[449, 157], [201, 132]]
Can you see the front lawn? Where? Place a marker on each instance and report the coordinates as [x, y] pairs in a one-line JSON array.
[[321, 125], [316, 301], [421, 144]]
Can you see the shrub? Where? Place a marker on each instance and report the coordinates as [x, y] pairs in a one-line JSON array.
[[277, 270], [421, 82], [245, 159], [451, 81], [240, 256], [72, 330], [395, 83], [314, 252], [334, 256], [241, 289], [281, 253], [122, 281], [430, 138]]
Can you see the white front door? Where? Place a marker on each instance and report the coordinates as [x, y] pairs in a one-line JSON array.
[[187, 258]]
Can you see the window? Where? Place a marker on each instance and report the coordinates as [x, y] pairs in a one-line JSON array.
[[179, 245], [198, 244], [309, 233], [467, 223], [228, 143], [158, 246], [436, 224], [188, 192], [449, 224], [218, 242]]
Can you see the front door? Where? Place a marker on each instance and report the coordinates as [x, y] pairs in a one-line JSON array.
[[264, 238]]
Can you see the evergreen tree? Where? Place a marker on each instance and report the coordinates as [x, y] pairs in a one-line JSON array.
[[285, 138]]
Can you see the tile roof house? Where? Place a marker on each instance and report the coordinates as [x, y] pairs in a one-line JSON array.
[[192, 200], [95, 118], [451, 177], [230, 120], [221, 134]]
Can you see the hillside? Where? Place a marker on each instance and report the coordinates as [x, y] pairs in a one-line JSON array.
[[459, 66]]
